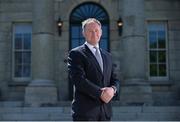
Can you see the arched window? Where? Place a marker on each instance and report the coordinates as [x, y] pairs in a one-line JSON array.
[[82, 12]]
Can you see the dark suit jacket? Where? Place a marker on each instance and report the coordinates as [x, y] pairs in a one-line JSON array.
[[88, 79]]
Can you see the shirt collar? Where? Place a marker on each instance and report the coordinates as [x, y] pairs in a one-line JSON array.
[[91, 47]]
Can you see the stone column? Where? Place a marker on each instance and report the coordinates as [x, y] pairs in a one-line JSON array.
[[4, 33], [136, 89], [42, 90]]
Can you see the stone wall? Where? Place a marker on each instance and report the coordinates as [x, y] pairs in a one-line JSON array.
[[168, 11], [165, 92]]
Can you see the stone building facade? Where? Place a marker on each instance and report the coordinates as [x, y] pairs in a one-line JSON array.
[[33, 49]]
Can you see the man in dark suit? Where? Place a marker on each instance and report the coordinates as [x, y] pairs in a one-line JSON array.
[[91, 71]]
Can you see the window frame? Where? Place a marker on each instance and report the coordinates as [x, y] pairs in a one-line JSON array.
[[105, 22], [158, 78], [14, 78]]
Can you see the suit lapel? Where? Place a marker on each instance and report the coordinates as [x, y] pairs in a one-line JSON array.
[[91, 55]]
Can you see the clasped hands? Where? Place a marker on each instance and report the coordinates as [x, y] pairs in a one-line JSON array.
[[107, 94]]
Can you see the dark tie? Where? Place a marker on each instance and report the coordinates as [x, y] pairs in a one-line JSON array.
[[99, 58]]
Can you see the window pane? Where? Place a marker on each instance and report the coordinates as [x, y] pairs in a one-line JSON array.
[[104, 31], [74, 43], [152, 39], [161, 39], [26, 71], [157, 49], [22, 49], [75, 32], [162, 56], [81, 41], [18, 71], [103, 44], [162, 69], [153, 57], [27, 41], [18, 41], [23, 28], [153, 69], [80, 32], [26, 58], [18, 58]]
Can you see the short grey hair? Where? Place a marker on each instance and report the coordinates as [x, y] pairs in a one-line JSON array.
[[90, 20]]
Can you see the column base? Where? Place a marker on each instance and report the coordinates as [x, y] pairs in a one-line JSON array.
[[136, 92], [40, 93]]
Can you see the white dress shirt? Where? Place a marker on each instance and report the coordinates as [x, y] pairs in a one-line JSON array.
[[95, 50], [91, 47]]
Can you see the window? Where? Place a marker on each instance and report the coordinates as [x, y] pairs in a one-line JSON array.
[[82, 12], [22, 36], [157, 45]]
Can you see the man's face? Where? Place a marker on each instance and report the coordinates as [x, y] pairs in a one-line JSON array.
[[92, 33]]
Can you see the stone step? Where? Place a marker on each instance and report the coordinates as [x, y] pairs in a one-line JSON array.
[[123, 113], [38, 110], [35, 116], [39, 113], [146, 117], [66, 110], [21, 104], [164, 98], [11, 103]]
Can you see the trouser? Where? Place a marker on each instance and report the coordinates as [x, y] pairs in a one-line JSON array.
[[100, 117]]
